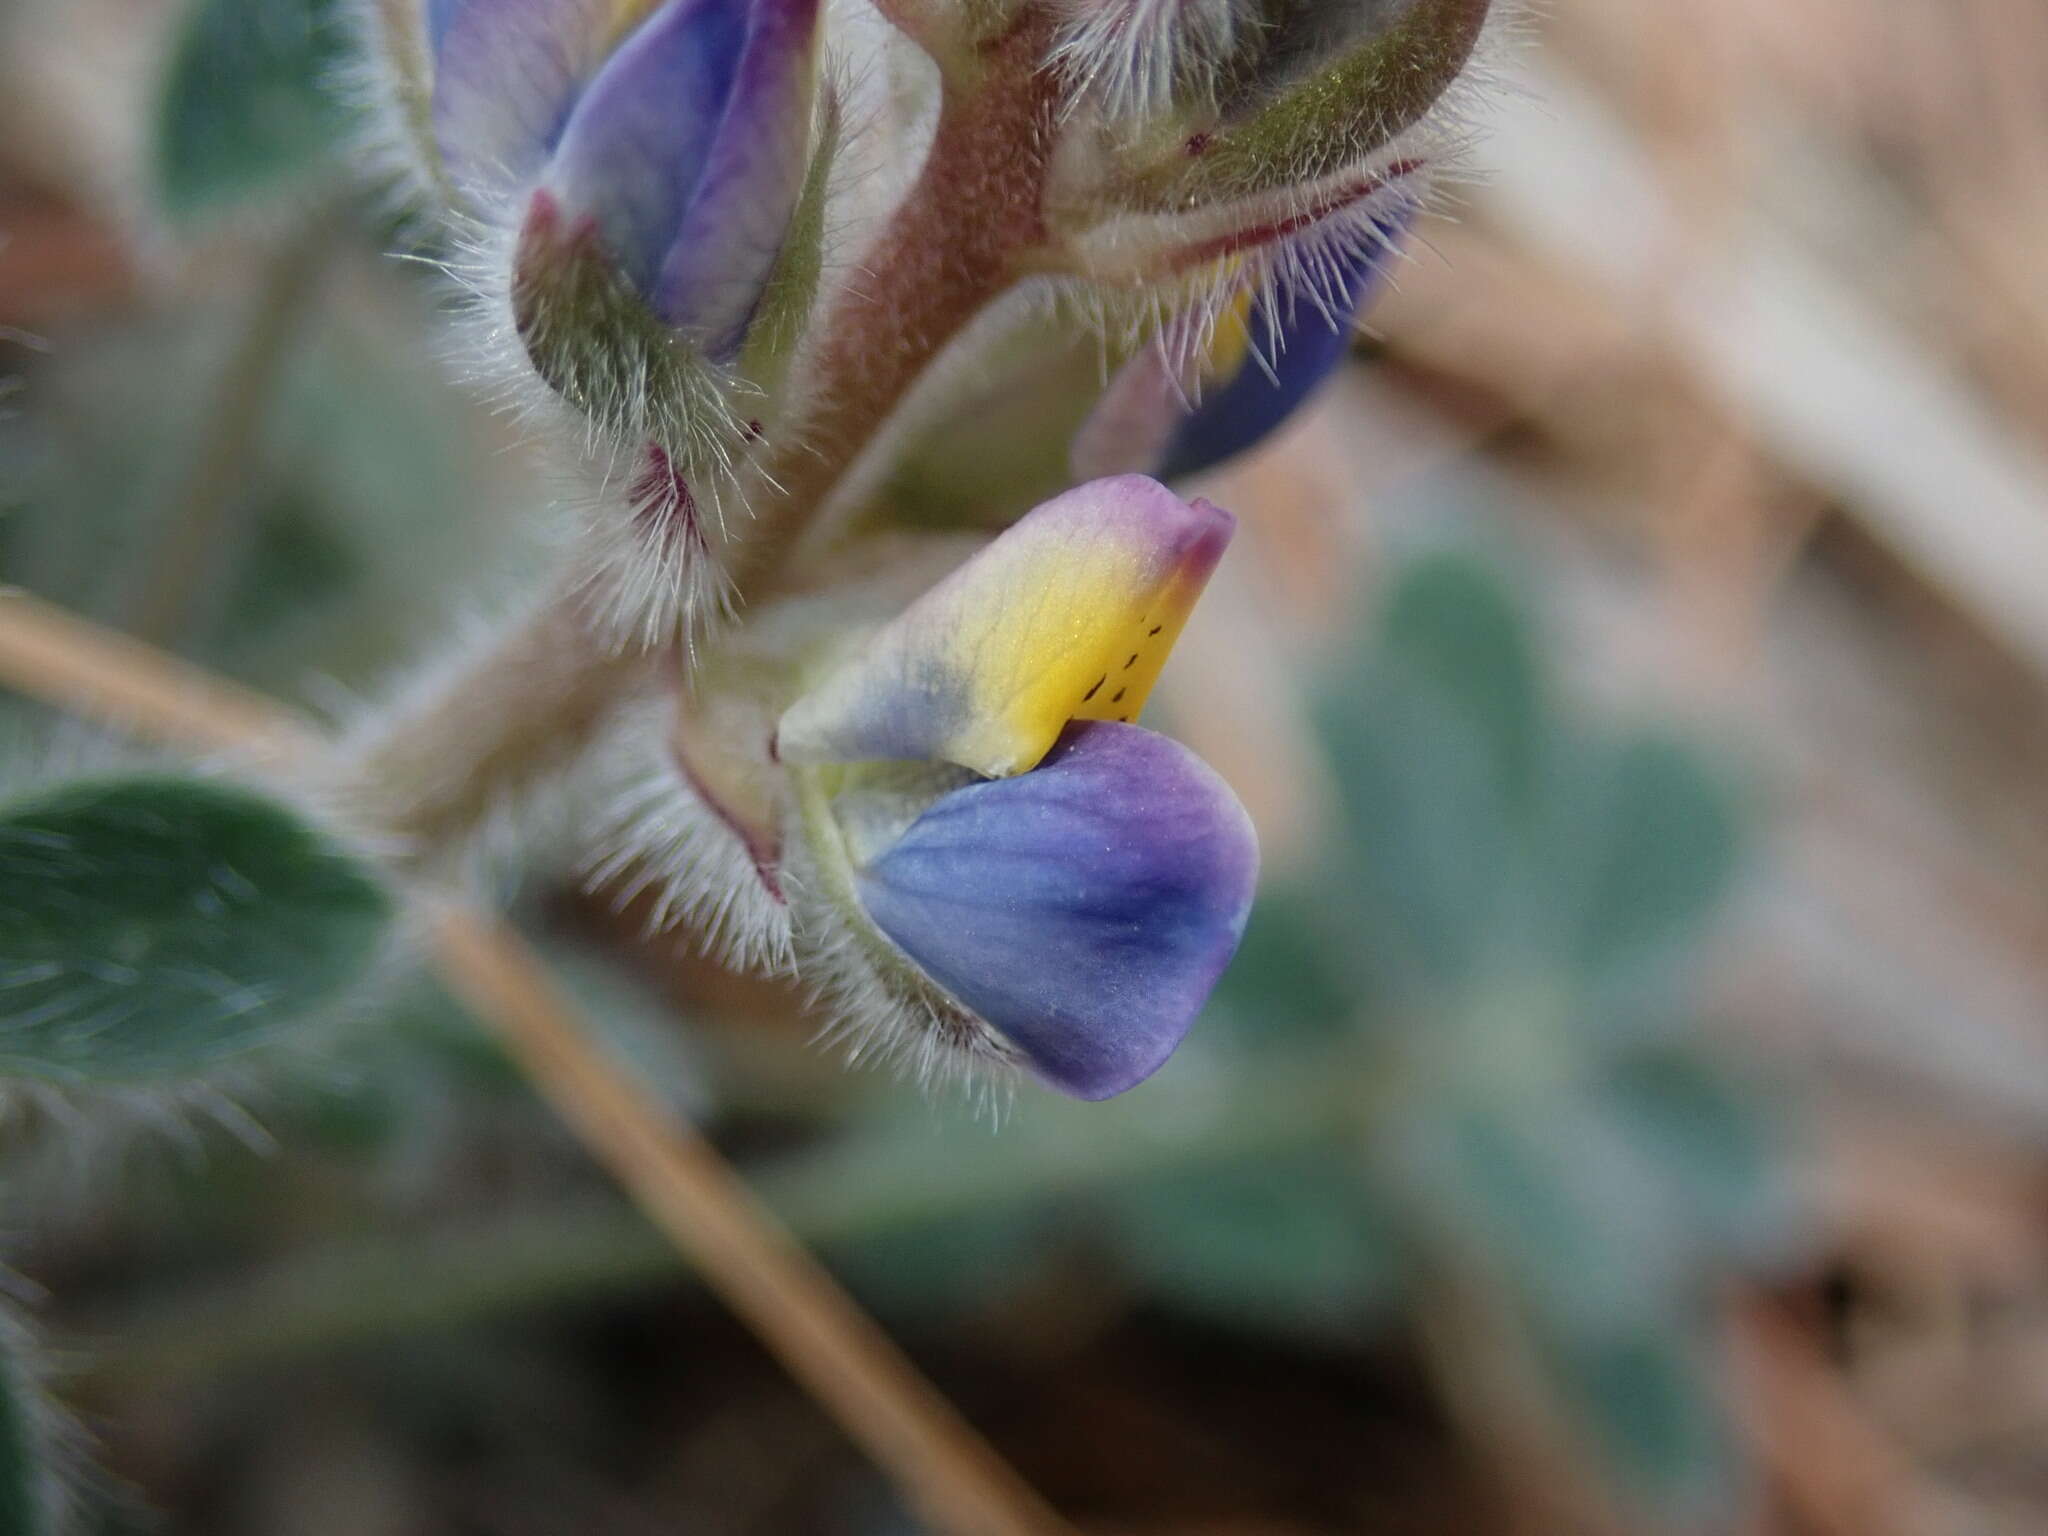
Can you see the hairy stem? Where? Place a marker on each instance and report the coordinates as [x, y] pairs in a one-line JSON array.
[[949, 252], [488, 729]]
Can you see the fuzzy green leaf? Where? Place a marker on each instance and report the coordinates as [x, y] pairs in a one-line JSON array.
[[1435, 873], [153, 926], [249, 104], [1287, 980], [1713, 1143], [1545, 1194]]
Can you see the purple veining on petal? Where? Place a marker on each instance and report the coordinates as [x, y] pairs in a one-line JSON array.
[[1084, 909]]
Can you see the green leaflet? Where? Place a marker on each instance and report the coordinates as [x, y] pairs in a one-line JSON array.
[[150, 927]]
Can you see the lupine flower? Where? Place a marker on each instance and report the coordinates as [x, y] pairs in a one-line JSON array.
[[1000, 856], [1176, 409], [930, 799], [951, 821]]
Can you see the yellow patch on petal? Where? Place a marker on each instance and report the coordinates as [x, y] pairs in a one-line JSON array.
[[1092, 649], [1069, 615], [1232, 340]]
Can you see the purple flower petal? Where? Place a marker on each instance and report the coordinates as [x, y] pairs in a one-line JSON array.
[[635, 148], [720, 260], [1305, 335], [686, 155], [1303, 330], [506, 73], [1084, 909]]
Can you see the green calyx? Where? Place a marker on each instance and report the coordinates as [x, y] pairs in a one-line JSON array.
[[595, 342], [1332, 120], [784, 311]]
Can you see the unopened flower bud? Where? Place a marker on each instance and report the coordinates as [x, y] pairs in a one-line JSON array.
[[1325, 87], [684, 158], [1306, 112], [1190, 401], [661, 163]]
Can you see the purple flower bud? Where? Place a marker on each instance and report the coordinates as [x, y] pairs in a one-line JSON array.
[[1085, 909], [505, 74], [669, 143], [1268, 354]]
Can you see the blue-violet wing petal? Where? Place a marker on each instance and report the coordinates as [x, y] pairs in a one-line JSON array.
[[1084, 909]]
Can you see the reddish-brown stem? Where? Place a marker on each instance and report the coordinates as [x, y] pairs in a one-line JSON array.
[[950, 249]]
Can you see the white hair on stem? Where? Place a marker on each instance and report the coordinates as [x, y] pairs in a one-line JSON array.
[[1130, 305], [652, 836], [1136, 59]]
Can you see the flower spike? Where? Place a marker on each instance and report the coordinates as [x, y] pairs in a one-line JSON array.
[[1067, 616]]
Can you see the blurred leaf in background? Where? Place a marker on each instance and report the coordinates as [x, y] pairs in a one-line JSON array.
[[364, 498], [33, 1500], [153, 927], [1520, 896], [251, 105]]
